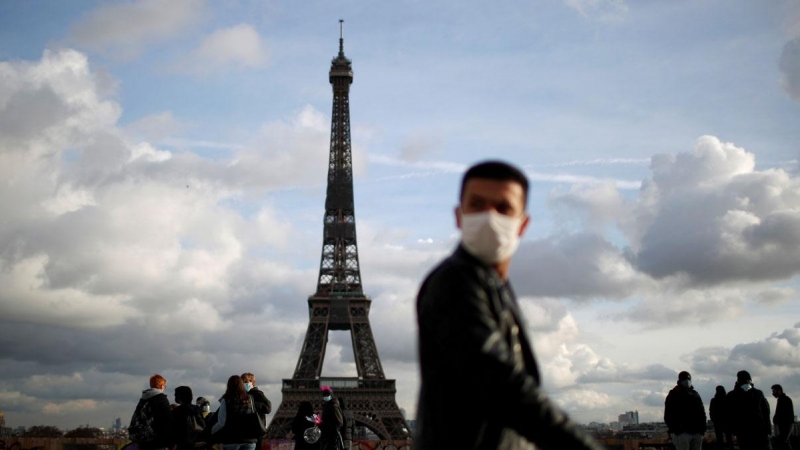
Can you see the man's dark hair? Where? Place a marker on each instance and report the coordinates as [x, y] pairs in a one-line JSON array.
[[496, 170], [777, 387], [743, 376], [183, 394]]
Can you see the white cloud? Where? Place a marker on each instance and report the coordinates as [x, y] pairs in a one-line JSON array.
[[147, 152], [420, 144], [79, 406], [156, 127], [710, 216], [122, 30], [237, 48]]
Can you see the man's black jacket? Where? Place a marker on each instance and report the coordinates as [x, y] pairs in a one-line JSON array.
[[784, 414], [480, 384], [684, 411]]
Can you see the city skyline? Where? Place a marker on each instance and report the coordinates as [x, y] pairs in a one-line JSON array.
[[164, 168]]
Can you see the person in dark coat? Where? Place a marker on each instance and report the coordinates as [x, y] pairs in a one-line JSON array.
[[233, 428], [719, 416], [783, 419], [262, 404], [332, 421], [685, 415], [159, 419], [300, 424], [187, 420], [479, 382], [749, 414]]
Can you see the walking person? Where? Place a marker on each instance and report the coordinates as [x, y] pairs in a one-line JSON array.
[[719, 416], [480, 386], [237, 424], [300, 424], [685, 415], [749, 414], [783, 419], [332, 421], [151, 423]]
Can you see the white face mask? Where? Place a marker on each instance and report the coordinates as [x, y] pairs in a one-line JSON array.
[[489, 236], [746, 387]]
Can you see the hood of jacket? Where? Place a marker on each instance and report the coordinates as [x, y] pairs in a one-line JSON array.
[[150, 393]]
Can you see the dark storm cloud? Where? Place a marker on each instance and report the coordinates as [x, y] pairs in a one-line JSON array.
[[775, 359], [581, 265]]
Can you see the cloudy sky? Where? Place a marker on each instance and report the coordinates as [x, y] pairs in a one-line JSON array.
[[162, 168]]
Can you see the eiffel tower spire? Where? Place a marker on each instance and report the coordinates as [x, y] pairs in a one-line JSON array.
[[339, 302], [339, 271]]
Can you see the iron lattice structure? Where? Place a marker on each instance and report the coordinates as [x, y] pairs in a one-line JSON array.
[[340, 303]]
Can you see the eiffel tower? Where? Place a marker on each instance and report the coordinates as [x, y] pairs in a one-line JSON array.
[[340, 303]]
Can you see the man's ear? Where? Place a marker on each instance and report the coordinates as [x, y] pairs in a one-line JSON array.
[[524, 225], [458, 216]]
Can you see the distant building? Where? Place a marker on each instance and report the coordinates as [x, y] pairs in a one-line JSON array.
[[629, 418], [653, 430], [117, 424]]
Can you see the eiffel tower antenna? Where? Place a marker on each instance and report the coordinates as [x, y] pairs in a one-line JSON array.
[[339, 302]]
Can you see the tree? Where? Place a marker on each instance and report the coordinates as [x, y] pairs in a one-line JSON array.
[[43, 431], [84, 431]]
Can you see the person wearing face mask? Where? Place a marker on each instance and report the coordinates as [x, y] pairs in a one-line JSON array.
[[262, 404], [151, 423], [685, 415], [480, 386], [204, 405], [332, 421], [749, 414]]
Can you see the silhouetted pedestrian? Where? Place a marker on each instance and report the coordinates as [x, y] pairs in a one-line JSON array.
[[685, 415], [187, 420], [719, 416], [749, 414], [783, 419], [300, 424]]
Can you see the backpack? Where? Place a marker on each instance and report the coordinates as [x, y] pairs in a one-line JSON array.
[[141, 429], [195, 424]]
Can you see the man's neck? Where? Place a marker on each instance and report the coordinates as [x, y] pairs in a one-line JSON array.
[[502, 269]]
